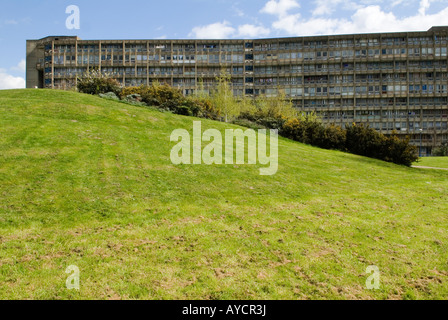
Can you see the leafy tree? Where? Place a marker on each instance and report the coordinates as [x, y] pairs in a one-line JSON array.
[[275, 107], [223, 98], [201, 93]]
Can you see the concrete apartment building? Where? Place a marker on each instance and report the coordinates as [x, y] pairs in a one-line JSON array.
[[391, 81]]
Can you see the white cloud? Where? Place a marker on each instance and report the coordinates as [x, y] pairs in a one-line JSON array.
[[238, 11], [396, 3], [280, 7], [252, 31], [8, 81], [11, 21], [224, 30], [364, 20], [424, 5], [326, 7], [218, 30], [21, 66]]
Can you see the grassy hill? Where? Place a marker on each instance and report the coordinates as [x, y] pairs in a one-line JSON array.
[[435, 162], [89, 182]]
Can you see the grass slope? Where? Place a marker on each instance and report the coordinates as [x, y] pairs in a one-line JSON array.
[[435, 162], [89, 182]]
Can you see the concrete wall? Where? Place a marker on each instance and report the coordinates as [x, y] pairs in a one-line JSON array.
[[33, 57]]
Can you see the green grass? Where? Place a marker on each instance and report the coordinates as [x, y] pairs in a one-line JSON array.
[[435, 162], [89, 182]]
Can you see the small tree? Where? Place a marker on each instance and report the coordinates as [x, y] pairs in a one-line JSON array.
[[200, 93], [246, 104], [277, 107], [280, 106], [223, 98]]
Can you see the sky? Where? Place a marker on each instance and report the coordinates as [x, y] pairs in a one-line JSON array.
[[202, 19]]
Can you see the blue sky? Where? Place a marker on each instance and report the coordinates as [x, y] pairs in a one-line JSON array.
[[188, 19]]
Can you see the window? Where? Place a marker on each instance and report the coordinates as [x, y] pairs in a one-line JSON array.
[[237, 70], [361, 53], [296, 55], [441, 52], [213, 58], [309, 55], [284, 56], [226, 58], [237, 58]]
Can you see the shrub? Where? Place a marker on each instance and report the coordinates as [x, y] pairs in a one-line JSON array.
[[247, 123], [293, 129], [365, 141], [368, 142], [109, 95], [359, 140], [306, 129], [162, 96], [126, 91], [207, 108], [135, 99], [442, 151], [187, 108], [399, 151], [271, 123], [95, 82], [334, 137], [201, 107]]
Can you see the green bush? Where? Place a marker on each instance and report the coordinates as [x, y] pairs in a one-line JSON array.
[[200, 107], [271, 123], [355, 139], [399, 151], [167, 98], [94, 82], [307, 130], [247, 123], [160, 95], [127, 91], [334, 138], [109, 95], [207, 109], [365, 141], [442, 151]]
